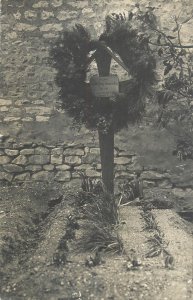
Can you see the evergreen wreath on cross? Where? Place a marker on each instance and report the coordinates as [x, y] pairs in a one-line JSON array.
[[71, 57]]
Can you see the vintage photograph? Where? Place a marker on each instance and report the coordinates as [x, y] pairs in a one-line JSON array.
[[96, 150]]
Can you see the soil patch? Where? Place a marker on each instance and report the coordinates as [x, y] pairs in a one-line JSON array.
[[38, 276]]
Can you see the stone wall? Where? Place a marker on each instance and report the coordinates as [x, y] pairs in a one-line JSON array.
[[28, 94], [29, 28], [62, 163]]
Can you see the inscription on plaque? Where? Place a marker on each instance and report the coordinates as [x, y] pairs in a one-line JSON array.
[[104, 86]]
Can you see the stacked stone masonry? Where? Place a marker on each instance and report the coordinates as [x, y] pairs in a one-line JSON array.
[[28, 93], [28, 30], [63, 163]]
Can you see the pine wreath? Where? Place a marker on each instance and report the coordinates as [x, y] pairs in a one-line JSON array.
[[71, 57]]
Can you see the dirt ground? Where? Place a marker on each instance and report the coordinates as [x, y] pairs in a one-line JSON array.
[[34, 219]]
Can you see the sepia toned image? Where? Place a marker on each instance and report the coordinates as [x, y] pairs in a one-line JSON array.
[[96, 150]]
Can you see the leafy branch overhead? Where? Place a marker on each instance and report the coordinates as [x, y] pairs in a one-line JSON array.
[[72, 54], [175, 59]]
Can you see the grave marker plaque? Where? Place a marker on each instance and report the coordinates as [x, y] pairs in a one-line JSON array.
[[105, 86]]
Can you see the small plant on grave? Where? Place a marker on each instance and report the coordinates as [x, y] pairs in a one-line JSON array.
[[131, 189], [150, 221], [159, 247], [133, 263], [156, 245], [101, 225], [96, 260], [72, 222], [61, 253], [105, 238], [89, 189], [102, 210]]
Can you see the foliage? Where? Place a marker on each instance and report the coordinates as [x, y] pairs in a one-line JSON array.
[[103, 209], [71, 57], [150, 221], [131, 189], [176, 92], [103, 238], [101, 220], [158, 246]]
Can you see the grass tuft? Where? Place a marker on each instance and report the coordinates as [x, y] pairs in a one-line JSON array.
[[100, 238], [101, 220]]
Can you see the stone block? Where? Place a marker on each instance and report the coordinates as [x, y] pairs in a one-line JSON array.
[[56, 3], [6, 176], [120, 168], [41, 150], [92, 173], [12, 35], [122, 174], [20, 160], [41, 4], [48, 167], [66, 15], [50, 35], [63, 167], [83, 167], [88, 13], [27, 151], [39, 159], [73, 160], [38, 102], [63, 176], [27, 119], [122, 160], [42, 118], [98, 167], [153, 175], [51, 27], [30, 14], [4, 159], [12, 119], [4, 102], [21, 102], [46, 14], [126, 153], [25, 27], [11, 168], [38, 110], [73, 151], [22, 177], [95, 150], [57, 156], [4, 108], [33, 168], [11, 152], [90, 158], [79, 4], [43, 176]]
